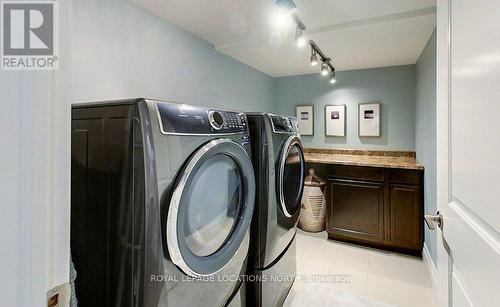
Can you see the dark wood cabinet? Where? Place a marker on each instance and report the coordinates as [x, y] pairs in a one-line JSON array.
[[101, 146], [377, 207], [357, 210], [405, 216]]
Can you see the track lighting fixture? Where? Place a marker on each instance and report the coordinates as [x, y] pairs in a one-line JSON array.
[[289, 9], [299, 36], [326, 65]]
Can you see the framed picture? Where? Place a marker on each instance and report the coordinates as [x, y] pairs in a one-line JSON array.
[[369, 119], [305, 117], [335, 120]]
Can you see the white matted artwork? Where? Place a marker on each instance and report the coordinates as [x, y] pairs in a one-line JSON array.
[[305, 118], [335, 120], [369, 119]]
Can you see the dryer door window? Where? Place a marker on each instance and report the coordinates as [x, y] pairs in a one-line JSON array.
[[213, 202], [291, 181], [211, 208]]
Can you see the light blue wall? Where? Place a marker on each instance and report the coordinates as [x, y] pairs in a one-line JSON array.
[[425, 131], [394, 87], [121, 51]]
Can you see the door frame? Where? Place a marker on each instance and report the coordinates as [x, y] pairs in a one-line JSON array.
[[442, 140]]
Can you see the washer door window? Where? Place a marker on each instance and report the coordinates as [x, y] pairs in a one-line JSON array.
[[291, 179], [211, 208]]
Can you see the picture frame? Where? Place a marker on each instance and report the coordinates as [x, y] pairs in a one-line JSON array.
[[305, 119], [369, 117], [335, 120]]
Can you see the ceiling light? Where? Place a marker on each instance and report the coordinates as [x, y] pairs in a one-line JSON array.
[[314, 58], [288, 5], [281, 18], [283, 13], [301, 41], [332, 78], [324, 69], [299, 37]]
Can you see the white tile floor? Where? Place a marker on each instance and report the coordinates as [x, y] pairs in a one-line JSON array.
[[356, 276]]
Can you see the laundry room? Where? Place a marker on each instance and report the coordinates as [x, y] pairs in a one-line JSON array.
[[249, 153]]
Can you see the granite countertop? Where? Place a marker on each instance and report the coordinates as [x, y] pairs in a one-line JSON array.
[[372, 158]]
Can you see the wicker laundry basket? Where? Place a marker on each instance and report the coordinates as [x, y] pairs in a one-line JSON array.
[[313, 206]]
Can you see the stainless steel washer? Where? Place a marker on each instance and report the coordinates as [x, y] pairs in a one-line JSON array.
[[279, 165]]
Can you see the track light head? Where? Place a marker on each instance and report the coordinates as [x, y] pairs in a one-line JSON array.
[[332, 77], [299, 37], [324, 69], [314, 58]]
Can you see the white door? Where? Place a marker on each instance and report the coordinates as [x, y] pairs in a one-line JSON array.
[[468, 123]]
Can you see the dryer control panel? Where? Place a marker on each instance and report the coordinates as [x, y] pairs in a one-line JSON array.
[[187, 119]]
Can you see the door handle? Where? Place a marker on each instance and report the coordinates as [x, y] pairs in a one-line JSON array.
[[434, 220]]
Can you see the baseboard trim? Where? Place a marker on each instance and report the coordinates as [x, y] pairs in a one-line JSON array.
[[431, 267]]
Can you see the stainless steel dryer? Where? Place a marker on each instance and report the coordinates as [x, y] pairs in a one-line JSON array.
[[162, 199], [279, 165]]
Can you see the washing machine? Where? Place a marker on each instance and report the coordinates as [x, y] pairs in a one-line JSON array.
[[278, 159], [161, 204]]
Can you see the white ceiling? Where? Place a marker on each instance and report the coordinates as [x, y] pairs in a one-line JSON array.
[[354, 33]]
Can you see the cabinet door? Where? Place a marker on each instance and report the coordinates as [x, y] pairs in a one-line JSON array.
[[356, 210], [406, 217], [100, 173]]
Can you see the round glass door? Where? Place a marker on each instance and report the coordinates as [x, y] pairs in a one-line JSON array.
[[292, 168], [212, 202], [211, 208]]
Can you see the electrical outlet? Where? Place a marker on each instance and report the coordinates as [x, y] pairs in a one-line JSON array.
[[59, 296]]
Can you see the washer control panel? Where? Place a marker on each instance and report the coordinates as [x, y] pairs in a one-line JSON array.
[[186, 119], [234, 121]]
